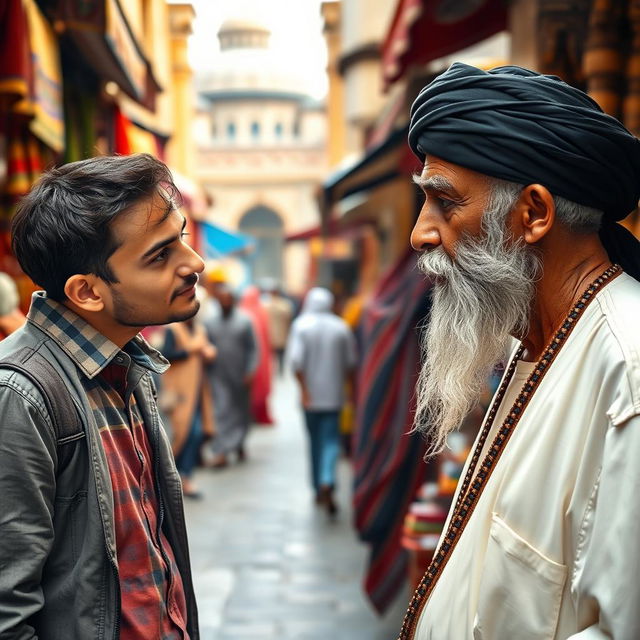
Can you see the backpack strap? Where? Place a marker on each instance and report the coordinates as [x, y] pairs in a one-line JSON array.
[[55, 393]]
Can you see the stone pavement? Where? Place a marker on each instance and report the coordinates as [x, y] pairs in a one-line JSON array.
[[267, 564]]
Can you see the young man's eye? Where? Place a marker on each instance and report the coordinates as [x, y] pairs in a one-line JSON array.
[[162, 256]]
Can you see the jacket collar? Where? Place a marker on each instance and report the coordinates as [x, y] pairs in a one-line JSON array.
[[87, 347]]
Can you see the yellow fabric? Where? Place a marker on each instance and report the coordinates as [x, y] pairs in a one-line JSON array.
[[217, 274], [140, 140], [347, 419]]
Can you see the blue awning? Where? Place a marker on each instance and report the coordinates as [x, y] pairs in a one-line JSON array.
[[219, 242]]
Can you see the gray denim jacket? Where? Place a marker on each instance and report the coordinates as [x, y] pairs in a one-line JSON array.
[[58, 565]]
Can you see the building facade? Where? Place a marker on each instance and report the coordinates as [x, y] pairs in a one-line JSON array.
[[261, 151]]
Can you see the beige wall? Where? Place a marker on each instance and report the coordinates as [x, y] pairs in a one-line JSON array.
[[365, 21], [267, 113], [336, 142], [181, 147]]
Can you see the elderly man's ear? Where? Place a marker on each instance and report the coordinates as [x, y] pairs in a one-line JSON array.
[[534, 214]]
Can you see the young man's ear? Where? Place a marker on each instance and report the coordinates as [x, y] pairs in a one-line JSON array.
[[83, 291], [535, 213]]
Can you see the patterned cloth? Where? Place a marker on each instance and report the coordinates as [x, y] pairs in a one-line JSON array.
[[153, 603], [388, 461]]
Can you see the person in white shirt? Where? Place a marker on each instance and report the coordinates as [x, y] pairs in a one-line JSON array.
[[525, 179], [322, 353]]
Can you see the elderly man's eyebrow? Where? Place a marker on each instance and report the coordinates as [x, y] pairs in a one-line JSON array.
[[434, 183]]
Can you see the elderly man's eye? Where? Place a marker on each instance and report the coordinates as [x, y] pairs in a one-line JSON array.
[[444, 203]]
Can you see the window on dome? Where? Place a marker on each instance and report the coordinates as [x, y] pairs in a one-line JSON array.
[[278, 130], [296, 129], [231, 131], [255, 130]]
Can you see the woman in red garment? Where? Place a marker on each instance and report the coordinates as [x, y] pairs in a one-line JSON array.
[[250, 303]]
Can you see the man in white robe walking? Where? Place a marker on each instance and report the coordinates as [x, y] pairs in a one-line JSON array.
[[524, 179]]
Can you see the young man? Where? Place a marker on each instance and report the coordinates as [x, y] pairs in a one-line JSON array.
[[92, 533], [524, 179]]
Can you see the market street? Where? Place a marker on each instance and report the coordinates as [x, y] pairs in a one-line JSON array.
[[267, 563]]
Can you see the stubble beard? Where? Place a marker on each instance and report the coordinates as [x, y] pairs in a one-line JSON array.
[[479, 300], [129, 315]]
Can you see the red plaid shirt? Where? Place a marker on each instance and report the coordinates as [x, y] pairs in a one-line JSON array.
[[153, 602]]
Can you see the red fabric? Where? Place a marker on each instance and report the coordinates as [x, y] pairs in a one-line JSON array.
[[16, 70], [153, 603], [261, 388], [423, 30], [121, 142]]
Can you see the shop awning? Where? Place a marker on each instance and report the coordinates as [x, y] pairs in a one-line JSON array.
[[218, 242], [382, 163], [333, 228], [424, 30], [103, 35]]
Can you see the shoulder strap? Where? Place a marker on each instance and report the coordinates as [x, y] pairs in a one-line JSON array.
[[56, 395]]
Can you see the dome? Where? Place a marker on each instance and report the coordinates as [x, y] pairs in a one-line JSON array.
[[246, 64], [240, 34]]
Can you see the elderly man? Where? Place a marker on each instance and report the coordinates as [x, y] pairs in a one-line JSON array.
[[525, 178]]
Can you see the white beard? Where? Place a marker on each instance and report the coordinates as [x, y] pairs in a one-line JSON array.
[[479, 300]]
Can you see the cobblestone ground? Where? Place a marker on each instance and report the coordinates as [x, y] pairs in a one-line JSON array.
[[266, 562]]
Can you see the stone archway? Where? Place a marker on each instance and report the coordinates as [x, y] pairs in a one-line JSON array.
[[266, 226]]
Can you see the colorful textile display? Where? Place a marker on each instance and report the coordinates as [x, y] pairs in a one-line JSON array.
[[30, 72], [388, 462]]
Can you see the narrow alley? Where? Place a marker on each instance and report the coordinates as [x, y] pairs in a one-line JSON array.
[[267, 563]]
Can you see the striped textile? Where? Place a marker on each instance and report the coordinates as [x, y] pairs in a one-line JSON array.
[[388, 463]]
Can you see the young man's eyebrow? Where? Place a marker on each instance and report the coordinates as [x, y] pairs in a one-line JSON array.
[[171, 206], [163, 243]]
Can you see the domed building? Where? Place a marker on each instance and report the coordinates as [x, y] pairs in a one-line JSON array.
[[261, 150]]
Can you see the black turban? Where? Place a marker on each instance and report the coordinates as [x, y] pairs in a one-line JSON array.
[[525, 127]]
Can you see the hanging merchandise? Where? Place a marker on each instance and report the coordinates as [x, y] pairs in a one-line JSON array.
[[388, 461], [31, 114]]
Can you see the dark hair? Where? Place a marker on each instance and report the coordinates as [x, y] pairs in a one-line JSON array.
[[62, 226]]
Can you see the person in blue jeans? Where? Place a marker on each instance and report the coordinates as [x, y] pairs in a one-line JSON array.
[[322, 353]]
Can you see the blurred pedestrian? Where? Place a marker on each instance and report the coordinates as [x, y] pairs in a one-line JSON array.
[[231, 376], [280, 313], [322, 353], [92, 533], [251, 304], [186, 391], [214, 277], [11, 318]]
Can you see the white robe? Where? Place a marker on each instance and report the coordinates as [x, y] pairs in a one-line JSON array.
[[552, 550]]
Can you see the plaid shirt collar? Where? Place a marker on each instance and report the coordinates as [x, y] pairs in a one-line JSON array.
[[87, 347]]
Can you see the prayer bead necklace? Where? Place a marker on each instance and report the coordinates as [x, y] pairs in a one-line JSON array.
[[471, 487]]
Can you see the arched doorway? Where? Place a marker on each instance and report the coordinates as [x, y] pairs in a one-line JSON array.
[[268, 230]]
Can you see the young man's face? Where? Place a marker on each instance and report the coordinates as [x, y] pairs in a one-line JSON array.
[[156, 270]]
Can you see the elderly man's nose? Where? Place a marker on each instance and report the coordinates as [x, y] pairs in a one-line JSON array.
[[424, 235]]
